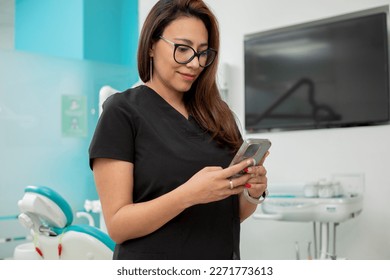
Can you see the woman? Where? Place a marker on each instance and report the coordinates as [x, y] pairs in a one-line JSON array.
[[160, 151]]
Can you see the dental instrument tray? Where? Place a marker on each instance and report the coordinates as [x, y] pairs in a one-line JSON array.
[[304, 209]]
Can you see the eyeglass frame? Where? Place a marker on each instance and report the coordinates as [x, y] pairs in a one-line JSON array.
[[197, 54]]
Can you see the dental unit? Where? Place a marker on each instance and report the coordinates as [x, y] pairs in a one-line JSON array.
[[325, 204], [49, 219]]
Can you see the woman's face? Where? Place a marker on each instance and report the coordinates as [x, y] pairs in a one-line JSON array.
[[168, 75]]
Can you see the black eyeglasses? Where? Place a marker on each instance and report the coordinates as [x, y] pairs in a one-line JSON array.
[[183, 54]]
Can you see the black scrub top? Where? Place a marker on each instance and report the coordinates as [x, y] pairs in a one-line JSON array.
[[167, 149]]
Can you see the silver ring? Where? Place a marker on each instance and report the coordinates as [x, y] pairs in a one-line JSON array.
[[254, 162], [231, 184]]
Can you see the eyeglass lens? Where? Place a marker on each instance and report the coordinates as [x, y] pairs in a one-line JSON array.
[[184, 54]]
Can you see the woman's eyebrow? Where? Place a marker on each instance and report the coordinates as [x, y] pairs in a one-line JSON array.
[[189, 42]]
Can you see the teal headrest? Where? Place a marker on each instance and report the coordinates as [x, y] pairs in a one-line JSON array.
[[56, 198]]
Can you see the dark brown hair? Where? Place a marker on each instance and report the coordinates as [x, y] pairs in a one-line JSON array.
[[203, 100]]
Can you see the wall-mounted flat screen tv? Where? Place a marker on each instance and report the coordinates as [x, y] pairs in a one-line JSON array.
[[329, 73]]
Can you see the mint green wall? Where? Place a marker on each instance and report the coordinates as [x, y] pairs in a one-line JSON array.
[[111, 30], [130, 26], [33, 150], [100, 30], [49, 61], [50, 27]]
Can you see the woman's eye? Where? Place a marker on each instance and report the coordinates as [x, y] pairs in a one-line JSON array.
[[183, 49]]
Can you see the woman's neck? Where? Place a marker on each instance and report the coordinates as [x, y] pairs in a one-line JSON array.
[[175, 99]]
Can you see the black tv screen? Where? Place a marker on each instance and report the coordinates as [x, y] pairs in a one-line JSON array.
[[325, 74]]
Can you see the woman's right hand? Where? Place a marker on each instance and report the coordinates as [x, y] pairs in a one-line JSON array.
[[212, 183]]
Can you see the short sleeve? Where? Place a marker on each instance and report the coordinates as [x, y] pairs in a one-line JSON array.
[[114, 134]]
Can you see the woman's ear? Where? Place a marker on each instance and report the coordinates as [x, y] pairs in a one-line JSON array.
[[151, 51]]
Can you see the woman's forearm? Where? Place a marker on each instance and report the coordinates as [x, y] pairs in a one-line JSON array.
[[139, 219]]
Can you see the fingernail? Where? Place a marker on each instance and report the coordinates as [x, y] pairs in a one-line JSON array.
[[248, 186], [246, 170]]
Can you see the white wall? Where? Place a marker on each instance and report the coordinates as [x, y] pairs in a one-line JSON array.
[[304, 156]]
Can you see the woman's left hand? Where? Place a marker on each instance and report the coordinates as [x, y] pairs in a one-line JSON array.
[[257, 184]]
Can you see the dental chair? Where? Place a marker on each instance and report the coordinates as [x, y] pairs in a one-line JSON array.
[[49, 218]]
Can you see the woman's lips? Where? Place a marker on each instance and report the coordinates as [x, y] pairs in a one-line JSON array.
[[188, 77]]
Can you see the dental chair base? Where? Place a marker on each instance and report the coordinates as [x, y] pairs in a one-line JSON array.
[[72, 245]]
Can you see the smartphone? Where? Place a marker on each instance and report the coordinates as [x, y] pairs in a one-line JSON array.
[[251, 148]]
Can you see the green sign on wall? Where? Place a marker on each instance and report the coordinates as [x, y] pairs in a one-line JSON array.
[[74, 115]]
